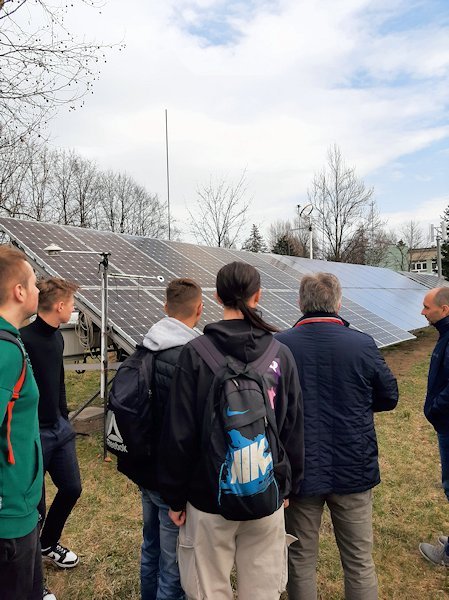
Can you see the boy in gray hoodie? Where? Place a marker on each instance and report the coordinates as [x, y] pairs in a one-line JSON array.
[[159, 575]]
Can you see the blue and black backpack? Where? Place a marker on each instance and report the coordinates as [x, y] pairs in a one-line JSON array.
[[240, 439]]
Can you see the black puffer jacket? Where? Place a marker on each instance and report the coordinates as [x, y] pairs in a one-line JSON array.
[[166, 338], [183, 474], [344, 380]]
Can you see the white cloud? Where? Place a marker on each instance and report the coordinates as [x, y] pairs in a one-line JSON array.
[[301, 76]]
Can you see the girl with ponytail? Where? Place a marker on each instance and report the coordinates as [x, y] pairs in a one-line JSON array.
[[209, 544]]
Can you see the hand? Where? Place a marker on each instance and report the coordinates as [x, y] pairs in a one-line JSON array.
[[178, 517], [286, 502]]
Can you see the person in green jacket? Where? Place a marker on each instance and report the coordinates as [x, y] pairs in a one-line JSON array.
[[20, 449]]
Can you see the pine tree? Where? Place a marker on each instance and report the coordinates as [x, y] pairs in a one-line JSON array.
[[287, 245], [255, 242], [445, 259]]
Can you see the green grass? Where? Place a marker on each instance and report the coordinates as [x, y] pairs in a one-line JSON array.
[[409, 505]]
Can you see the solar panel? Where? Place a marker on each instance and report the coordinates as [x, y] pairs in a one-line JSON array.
[[394, 299], [430, 280], [377, 301]]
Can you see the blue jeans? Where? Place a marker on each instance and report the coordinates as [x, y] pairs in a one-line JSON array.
[[159, 574]]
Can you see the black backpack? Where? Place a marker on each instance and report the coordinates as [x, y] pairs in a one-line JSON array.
[[129, 419], [240, 439]]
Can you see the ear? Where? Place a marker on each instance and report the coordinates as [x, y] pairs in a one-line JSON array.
[[17, 293], [199, 309], [59, 306], [254, 299], [165, 308]]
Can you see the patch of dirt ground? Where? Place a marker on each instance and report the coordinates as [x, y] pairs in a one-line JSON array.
[[401, 357]]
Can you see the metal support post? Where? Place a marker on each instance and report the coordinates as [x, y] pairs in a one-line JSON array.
[[104, 341], [439, 267]]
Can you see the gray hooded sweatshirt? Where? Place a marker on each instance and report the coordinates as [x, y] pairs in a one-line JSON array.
[[168, 333]]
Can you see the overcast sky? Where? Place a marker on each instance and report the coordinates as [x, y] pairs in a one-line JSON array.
[[267, 87]]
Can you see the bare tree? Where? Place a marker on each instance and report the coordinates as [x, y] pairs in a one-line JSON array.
[[340, 202], [41, 67], [86, 192], [220, 212]]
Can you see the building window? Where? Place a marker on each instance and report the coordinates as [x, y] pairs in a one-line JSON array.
[[419, 265]]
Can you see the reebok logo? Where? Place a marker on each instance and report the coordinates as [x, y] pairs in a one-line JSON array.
[[113, 436], [250, 462]]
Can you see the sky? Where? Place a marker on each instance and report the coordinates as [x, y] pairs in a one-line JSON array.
[[265, 88]]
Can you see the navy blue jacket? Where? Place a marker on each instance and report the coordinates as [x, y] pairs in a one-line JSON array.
[[344, 380], [436, 407]]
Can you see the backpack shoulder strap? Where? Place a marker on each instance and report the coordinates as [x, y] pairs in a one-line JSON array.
[[7, 336], [261, 364], [209, 352]]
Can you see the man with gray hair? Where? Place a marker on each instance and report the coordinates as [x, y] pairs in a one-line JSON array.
[[436, 406], [344, 380]]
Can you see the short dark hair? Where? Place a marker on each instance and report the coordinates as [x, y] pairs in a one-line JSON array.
[[181, 296], [320, 292], [12, 270], [54, 289]]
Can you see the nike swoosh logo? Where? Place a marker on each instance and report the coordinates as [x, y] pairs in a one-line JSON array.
[[233, 413]]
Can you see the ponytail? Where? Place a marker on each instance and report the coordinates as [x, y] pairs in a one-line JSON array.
[[252, 315]]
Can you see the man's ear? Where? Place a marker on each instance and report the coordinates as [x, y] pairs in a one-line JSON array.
[[165, 308], [17, 292], [199, 309]]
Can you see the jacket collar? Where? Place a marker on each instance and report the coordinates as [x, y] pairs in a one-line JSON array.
[[442, 326], [322, 315]]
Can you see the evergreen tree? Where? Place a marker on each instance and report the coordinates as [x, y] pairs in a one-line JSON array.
[[255, 242], [287, 245], [445, 259]]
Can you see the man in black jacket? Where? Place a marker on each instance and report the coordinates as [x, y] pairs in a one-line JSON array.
[[436, 407], [45, 346], [344, 380], [159, 574]]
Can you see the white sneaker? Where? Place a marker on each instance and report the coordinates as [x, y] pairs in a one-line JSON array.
[[60, 556], [48, 595]]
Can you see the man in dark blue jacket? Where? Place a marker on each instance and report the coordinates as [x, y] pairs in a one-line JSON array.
[[436, 407], [344, 380]]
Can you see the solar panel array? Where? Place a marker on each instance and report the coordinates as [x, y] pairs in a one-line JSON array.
[[428, 279], [376, 301]]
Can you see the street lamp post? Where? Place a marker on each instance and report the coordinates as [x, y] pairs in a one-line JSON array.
[[306, 212]]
